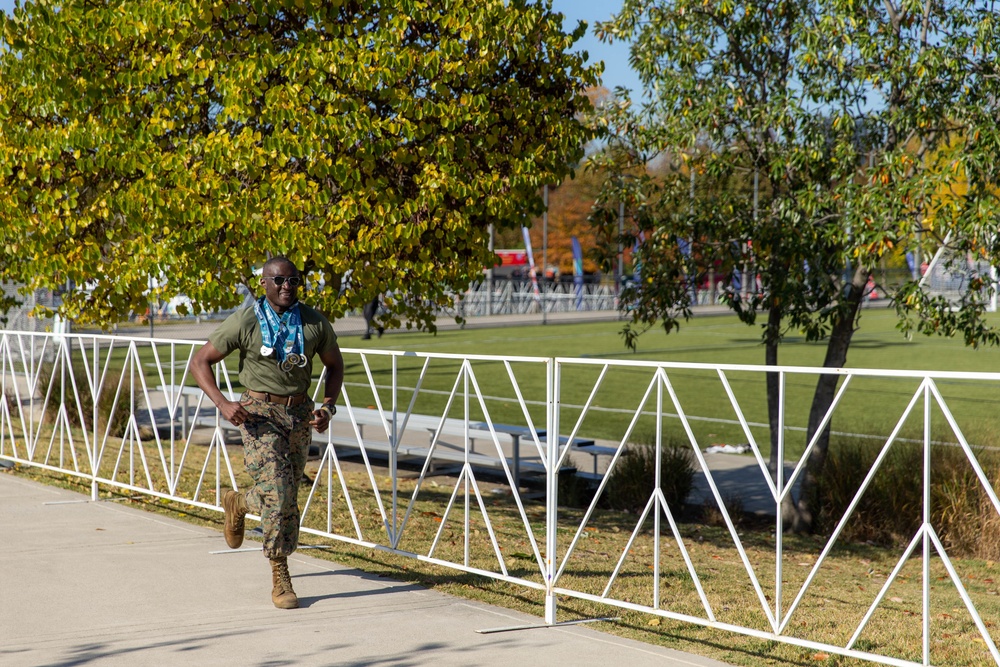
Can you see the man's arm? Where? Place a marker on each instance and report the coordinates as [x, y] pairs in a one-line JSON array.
[[333, 361], [201, 369]]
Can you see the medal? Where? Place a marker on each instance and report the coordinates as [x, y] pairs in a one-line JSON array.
[[266, 351], [302, 361], [285, 366], [293, 359]]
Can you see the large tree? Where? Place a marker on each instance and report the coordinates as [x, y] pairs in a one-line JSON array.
[[830, 133], [187, 140]]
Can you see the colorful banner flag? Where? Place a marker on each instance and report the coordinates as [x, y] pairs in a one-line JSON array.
[[531, 263], [578, 272]]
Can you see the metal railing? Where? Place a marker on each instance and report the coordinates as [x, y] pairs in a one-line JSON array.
[[512, 297], [121, 413]]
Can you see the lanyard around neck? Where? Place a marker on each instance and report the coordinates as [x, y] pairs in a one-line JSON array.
[[280, 335]]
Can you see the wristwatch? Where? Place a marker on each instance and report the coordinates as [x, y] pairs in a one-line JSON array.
[[330, 408]]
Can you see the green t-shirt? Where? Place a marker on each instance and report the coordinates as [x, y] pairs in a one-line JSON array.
[[241, 331]]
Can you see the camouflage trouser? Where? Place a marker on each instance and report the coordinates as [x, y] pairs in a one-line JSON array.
[[275, 445]]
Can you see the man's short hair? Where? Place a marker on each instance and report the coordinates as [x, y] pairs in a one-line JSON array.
[[279, 259]]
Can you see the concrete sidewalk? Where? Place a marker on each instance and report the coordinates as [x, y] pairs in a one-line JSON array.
[[86, 583]]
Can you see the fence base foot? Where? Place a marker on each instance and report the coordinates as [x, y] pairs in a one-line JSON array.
[[534, 626]]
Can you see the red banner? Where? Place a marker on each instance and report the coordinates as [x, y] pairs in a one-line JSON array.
[[512, 257]]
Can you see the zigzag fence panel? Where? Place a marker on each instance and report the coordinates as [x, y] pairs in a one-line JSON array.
[[906, 605], [449, 459], [411, 466]]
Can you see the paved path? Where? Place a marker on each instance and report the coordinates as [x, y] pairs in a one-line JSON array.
[[100, 584], [740, 481]]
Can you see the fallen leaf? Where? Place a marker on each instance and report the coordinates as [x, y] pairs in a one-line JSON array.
[[820, 656], [654, 621], [896, 599]]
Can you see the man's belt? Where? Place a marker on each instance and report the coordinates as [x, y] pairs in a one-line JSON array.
[[295, 399]]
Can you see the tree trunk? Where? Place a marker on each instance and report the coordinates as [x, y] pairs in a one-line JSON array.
[[803, 513], [772, 387]]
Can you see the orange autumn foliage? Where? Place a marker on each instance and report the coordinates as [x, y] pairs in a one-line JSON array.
[[569, 207]]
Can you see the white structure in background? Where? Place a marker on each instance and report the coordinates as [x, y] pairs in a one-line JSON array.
[[20, 318], [949, 274], [513, 297]]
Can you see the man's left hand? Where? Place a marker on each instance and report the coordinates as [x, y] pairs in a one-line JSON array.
[[320, 420]]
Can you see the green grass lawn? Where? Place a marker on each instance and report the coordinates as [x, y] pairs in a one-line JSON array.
[[870, 405], [704, 339]]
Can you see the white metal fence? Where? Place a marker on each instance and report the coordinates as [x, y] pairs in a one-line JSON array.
[[514, 297], [121, 414]]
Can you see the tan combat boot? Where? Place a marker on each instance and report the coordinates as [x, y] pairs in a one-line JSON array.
[[235, 505], [282, 594]]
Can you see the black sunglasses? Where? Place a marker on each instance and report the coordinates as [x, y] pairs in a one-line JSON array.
[[278, 281]]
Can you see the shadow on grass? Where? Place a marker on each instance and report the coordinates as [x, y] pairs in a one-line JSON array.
[[645, 633]]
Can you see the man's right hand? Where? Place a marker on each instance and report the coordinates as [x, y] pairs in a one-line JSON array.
[[233, 412]]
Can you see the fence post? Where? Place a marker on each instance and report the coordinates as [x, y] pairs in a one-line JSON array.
[[552, 487]]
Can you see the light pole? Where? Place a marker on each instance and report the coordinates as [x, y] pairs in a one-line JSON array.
[[545, 244], [621, 252], [150, 306], [489, 273]]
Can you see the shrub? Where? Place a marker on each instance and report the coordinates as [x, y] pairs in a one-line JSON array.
[[888, 512], [963, 514], [575, 491], [632, 479], [891, 509], [712, 516], [107, 409]]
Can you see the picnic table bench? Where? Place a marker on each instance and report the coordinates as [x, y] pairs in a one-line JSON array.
[[478, 430], [510, 434]]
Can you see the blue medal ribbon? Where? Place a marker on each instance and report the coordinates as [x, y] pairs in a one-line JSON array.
[[283, 334]]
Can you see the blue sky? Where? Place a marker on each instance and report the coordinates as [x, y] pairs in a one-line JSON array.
[[615, 56]]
